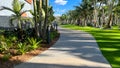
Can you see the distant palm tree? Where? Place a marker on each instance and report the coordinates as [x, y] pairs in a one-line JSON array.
[[63, 18], [84, 11], [110, 4], [50, 15]]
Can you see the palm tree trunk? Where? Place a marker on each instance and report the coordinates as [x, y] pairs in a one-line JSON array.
[[103, 18], [45, 21], [110, 15], [95, 14], [35, 18], [95, 18], [40, 17]]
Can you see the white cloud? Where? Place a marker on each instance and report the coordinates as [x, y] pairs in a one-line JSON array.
[[57, 15], [61, 2], [58, 12]]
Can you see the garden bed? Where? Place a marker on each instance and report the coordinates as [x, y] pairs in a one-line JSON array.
[[17, 59]]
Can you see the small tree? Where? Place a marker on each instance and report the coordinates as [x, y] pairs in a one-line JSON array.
[[17, 7]]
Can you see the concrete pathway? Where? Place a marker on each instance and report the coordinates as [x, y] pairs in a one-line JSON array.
[[74, 49]]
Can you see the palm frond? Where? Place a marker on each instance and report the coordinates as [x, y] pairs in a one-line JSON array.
[[24, 12], [31, 12], [7, 8], [11, 20], [1, 8], [43, 13], [22, 5]]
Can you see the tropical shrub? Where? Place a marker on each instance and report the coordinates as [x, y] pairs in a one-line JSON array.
[[5, 44], [22, 48], [6, 57], [53, 34], [34, 43]]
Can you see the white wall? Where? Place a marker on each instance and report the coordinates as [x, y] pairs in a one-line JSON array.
[[5, 21]]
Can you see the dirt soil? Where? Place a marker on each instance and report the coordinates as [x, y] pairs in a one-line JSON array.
[[14, 60]]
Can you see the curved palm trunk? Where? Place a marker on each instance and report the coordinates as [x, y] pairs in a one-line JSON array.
[[95, 14], [95, 18], [103, 18], [46, 20], [35, 19], [109, 23], [85, 20], [40, 17]]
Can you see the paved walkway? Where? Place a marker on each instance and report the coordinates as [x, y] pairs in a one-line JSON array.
[[74, 49]]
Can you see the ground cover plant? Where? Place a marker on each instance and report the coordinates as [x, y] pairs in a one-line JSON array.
[[27, 35], [14, 51]]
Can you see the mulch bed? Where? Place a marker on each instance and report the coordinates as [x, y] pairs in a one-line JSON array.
[[14, 60]]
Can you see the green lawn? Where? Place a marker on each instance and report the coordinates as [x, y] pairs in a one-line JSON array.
[[108, 41]]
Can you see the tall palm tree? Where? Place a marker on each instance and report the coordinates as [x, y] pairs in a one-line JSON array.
[[116, 11], [63, 18], [83, 11], [110, 4], [50, 15], [38, 16]]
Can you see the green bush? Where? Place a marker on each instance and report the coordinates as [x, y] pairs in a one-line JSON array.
[[33, 43], [5, 44], [6, 57], [10, 42], [3, 47], [22, 48], [53, 34]]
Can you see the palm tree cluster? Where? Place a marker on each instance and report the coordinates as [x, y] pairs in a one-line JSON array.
[[22, 40], [97, 13], [42, 17]]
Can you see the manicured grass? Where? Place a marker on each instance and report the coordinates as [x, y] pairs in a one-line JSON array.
[[108, 41]]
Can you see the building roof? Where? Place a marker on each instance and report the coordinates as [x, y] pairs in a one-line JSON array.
[[29, 1], [24, 15]]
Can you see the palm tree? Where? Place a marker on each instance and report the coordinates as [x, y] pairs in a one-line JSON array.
[[110, 4], [38, 16], [50, 15], [42, 13], [83, 11], [17, 7], [63, 18], [116, 11]]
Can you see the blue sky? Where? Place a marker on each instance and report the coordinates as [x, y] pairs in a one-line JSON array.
[[62, 6]]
